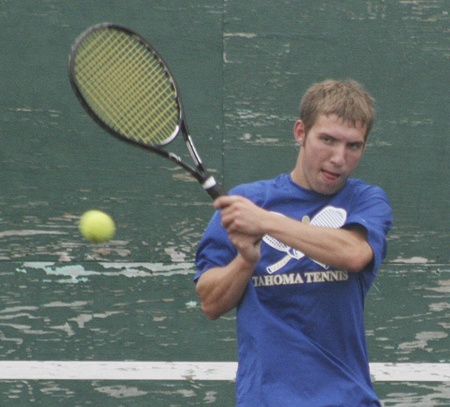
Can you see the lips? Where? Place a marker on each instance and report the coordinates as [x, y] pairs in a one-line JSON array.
[[330, 176]]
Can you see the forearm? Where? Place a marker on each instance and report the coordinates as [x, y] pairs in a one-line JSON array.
[[341, 248], [220, 289], [346, 249]]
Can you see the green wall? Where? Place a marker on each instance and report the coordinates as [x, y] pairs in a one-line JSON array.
[[242, 67]]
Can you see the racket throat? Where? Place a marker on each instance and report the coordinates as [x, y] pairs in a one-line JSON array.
[[211, 186], [207, 181], [193, 152]]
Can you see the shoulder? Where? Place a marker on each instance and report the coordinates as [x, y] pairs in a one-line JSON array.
[[262, 190], [359, 188], [366, 201]]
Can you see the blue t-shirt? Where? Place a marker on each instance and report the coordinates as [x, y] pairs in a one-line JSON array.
[[300, 326]]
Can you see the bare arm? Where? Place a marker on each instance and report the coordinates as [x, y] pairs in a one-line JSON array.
[[220, 289], [346, 249]]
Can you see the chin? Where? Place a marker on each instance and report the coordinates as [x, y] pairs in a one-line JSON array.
[[329, 190]]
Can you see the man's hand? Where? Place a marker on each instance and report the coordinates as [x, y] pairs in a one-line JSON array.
[[249, 249], [240, 215]]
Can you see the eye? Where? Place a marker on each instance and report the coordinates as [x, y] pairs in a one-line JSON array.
[[327, 139], [355, 146]]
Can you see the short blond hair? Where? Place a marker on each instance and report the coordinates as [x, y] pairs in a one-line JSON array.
[[346, 99]]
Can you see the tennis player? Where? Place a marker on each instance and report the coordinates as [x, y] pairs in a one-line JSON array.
[[300, 326]]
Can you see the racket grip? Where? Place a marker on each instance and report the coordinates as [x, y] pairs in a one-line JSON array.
[[213, 189]]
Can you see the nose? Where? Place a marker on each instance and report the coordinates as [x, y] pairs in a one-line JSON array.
[[338, 156]]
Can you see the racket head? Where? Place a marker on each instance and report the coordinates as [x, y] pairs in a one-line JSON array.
[[125, 86]]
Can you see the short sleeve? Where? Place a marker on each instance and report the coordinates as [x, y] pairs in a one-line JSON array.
[[371, 209], [214, 249]]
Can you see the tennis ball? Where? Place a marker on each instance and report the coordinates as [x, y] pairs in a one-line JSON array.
[[97, 226]]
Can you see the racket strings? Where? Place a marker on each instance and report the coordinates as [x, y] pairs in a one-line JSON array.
[[128, 87], [137, 102], [139, 99]]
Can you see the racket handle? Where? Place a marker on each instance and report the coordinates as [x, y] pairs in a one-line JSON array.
[[213, 189]]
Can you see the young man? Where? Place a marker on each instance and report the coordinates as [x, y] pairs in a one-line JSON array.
[[296, 255]]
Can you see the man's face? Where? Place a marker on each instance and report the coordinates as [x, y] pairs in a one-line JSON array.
[[329, 154]]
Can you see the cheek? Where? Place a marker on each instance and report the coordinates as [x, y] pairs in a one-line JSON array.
[[314, 158], [353, 161], [319, 153]]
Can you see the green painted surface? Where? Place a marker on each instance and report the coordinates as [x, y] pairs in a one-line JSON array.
[[242, 67]]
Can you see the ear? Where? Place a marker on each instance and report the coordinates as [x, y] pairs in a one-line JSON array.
[[299, 132]]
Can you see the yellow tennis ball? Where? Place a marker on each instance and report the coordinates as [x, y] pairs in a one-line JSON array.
[[97, 226]]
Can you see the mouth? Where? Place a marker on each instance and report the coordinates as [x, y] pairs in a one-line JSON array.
[[330, 176]]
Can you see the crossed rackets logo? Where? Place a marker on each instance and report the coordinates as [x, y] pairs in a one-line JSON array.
[[328, 217]]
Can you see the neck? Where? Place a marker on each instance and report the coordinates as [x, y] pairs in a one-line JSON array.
[[297, 173]]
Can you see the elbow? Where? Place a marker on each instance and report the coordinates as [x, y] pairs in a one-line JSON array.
[[357, 262], [211, 308], [211, 312], [208, 305], [355, 266]]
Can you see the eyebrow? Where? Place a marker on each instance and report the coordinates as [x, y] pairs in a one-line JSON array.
[[356, 143], [351, 143]]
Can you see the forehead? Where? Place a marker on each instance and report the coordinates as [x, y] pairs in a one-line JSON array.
[[333, 125]]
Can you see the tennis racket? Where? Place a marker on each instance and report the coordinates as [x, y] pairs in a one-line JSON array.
[[329, 217], [127, 88]]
